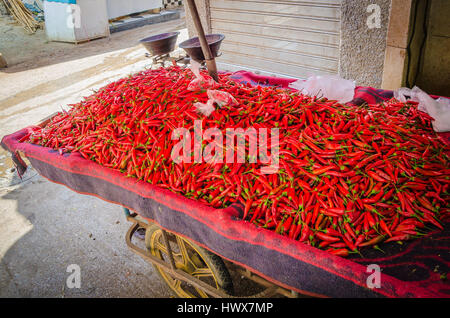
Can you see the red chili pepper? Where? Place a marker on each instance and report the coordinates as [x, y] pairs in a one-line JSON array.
[[385, 228], [326, 237], [376, 176], [304, 233], [349, 229], [403, 237], [342, 171], [339, 252], [373, 241]]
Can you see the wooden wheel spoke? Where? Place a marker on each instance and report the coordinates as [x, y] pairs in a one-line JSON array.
[[187, 258], [185, 293], [176, 283], [161, 247], [202, 272], [183, 251], [201, 293]]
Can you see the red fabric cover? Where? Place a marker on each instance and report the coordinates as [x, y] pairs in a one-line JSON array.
[[279, 259]]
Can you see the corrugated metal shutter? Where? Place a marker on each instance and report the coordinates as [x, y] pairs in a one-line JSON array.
[[288, 37]]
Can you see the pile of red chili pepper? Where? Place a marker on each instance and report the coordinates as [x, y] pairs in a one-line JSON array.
[[349, 176]]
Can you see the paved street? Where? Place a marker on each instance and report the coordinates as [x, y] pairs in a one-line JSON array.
[[45, 227]]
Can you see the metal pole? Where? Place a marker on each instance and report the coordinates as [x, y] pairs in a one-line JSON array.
[[169, 249], [209, 58]]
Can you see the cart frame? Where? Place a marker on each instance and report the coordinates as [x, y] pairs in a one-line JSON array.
[[270, 289]]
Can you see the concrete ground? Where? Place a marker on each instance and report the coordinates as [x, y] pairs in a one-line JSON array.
[[45, 227]]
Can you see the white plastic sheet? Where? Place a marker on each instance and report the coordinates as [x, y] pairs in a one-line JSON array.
[[439, 108], [331, 87], [200, 81], [220, 98]]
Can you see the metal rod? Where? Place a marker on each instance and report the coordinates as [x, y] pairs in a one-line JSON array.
[[209, 58], [169, 249]]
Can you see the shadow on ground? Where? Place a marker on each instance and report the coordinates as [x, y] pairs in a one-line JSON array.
[[45, 227]]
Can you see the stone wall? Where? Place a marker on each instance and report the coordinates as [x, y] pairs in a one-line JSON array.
[[362, 48], [205, 17]]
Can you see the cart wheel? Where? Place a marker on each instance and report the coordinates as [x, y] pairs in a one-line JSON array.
[[190, 258]]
